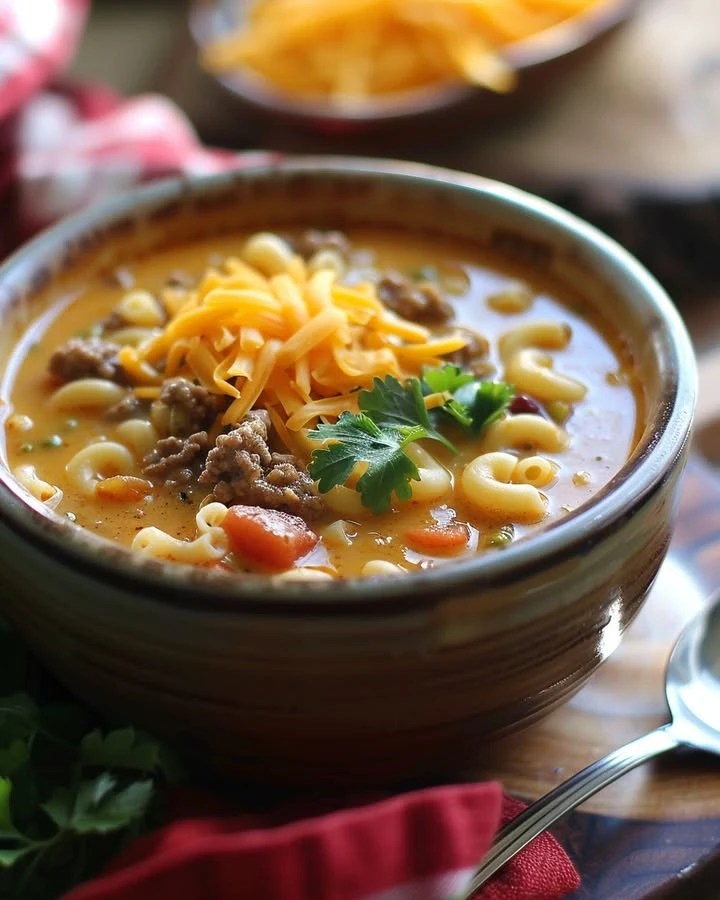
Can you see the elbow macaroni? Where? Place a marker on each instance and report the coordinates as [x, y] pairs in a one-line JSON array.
[[208, 547], [48, 493], [487, 482], [435, 481], [531, 372], [87, 393], [140, 308], [548, 335], [90, 465], [535, 470], [525, 430], [139, 435]]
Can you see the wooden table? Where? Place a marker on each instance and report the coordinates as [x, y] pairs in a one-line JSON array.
[[634, 145]]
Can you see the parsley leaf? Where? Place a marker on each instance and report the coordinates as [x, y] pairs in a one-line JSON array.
[[392, 415], [357, 438], [472, 402], [446, 378], [390, 402], [484, 401]]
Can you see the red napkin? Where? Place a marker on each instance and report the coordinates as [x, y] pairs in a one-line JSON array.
[[61, 148], [422, 845]]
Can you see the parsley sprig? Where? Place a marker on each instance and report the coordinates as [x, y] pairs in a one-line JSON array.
[[71, 795], [392, 416]]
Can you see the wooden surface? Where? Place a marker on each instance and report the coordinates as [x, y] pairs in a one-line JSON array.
[[631, 143]]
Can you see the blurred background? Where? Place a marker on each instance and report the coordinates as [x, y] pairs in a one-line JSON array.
[[624, 131]]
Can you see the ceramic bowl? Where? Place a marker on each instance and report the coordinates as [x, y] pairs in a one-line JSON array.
[[364, 681], [413, 117]]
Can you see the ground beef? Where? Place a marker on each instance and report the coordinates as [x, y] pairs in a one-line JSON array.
[[420, 302], [176, 461], [242, 469], [312, 241], [474, 355], [184, 408], [112, 322], [86, 358], [130, 407]]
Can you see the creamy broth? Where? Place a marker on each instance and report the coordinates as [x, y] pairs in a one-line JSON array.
[[601, 428]]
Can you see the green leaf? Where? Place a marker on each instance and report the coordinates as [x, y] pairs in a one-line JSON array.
[[99, 808], [356, 438], [484, 401], [60, 806], [7, 827], [8, 858], [121, 749], [446, 378], [390, 402], [401, 405], [13, 757]]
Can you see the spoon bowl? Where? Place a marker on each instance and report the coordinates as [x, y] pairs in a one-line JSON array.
[[692, 685], [692, 688]]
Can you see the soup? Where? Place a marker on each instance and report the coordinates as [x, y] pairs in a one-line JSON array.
[[319, 405]]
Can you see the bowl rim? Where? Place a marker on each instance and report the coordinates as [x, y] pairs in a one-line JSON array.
[[652, 462], [552, 43]]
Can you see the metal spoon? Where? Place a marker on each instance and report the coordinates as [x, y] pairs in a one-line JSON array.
[[692, 688]]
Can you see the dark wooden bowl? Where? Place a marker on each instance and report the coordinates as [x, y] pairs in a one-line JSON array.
[[361, 681]]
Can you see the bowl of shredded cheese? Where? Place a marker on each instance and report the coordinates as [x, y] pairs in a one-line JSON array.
[[353, 64]]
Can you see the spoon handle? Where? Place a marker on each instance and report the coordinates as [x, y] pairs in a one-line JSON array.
[[566, 796]]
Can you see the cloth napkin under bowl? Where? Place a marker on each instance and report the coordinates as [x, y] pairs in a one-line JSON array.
[[63, 147]]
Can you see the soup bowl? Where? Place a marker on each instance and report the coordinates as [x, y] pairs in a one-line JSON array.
[[353, 681]]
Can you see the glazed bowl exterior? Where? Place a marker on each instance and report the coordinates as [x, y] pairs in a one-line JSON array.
[[364, 681]]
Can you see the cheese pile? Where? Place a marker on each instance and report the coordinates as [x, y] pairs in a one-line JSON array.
[[349, 51], [297, 343]]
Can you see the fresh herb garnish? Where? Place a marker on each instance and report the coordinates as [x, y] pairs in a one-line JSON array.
[[392, 416], [481, 402], [71, 796], [400, 405], [471, 402]]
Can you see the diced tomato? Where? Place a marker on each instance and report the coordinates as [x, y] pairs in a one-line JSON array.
[[267, 536], [439, 538]]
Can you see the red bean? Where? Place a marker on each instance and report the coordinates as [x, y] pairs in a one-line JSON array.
[[521, 403]]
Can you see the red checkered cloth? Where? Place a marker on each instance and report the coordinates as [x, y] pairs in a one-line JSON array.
[[37, 38], [65, 147]]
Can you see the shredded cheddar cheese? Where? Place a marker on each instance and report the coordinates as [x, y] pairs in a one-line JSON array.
[[349, 51], [299, 343]]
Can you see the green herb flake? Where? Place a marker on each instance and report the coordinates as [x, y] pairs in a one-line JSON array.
[[53, 441], [424, 274], [27, 448], [502, 537]]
